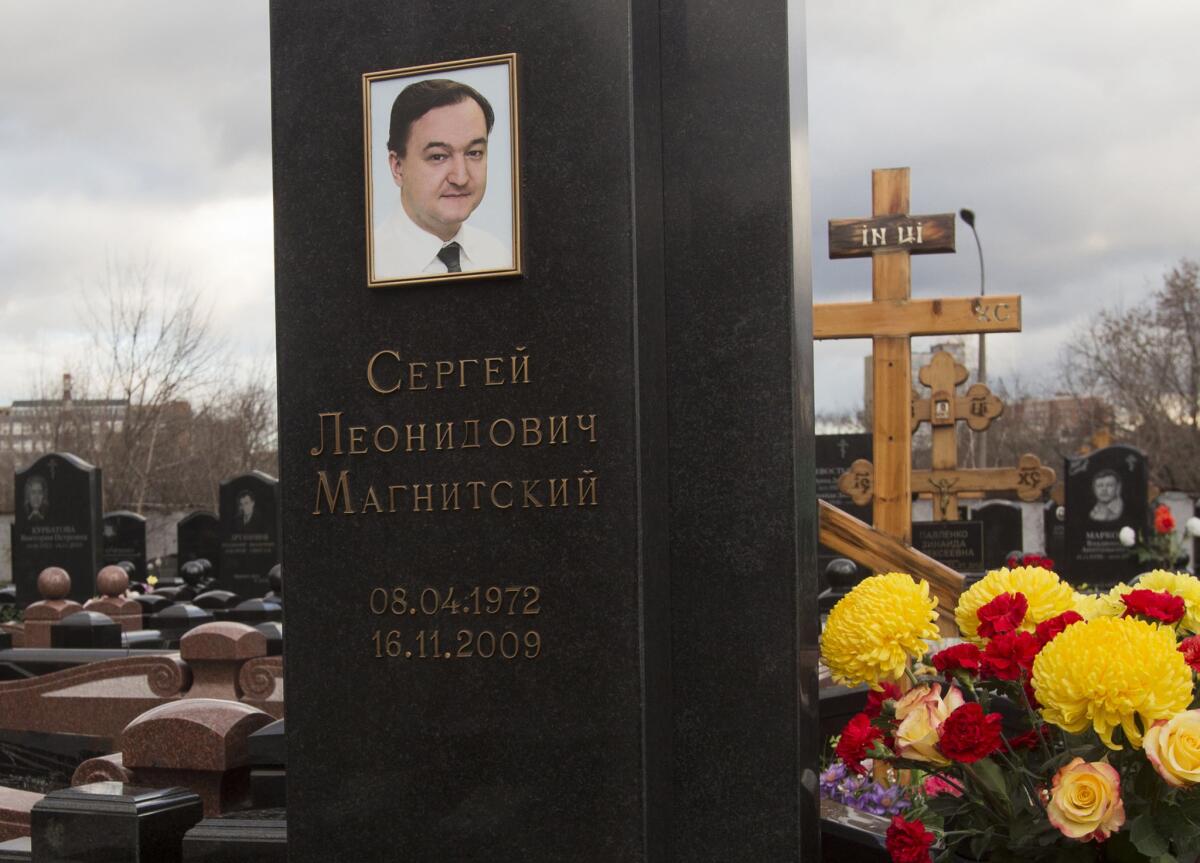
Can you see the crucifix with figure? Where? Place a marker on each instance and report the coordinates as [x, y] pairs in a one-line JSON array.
[[890, 236]]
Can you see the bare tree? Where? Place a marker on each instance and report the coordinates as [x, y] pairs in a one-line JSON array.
[[1145, 362]]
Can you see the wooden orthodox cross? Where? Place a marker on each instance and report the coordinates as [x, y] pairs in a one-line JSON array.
[[890, 237], [943, 410]]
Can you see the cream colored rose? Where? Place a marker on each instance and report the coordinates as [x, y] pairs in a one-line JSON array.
[[1085, 801], [1173, 747], [921, 713]]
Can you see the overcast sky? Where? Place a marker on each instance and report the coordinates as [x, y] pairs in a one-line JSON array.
[[140, 130]]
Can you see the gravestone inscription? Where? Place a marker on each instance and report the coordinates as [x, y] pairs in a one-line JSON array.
[[958, 544], [57, 523], [1106, 490], [249, 533], [125, 540], [523, 606]]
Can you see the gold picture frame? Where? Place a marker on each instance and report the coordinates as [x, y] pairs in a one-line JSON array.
[[398, 251]]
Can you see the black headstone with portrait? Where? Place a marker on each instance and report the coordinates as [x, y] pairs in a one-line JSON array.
[[1106, 490], [958, 544], [549, 535], [249, 533], [125, 540], [834, 455], [198, 537], [1003, 531], [57, 522]]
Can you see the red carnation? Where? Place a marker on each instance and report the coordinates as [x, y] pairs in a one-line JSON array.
[[857, 738], [1013, 561], [964, 656], [908, 841], [968, 735], [1003, 614], [1190, 648], [1047, 563], [1155, 605], [1164, 522], [1048, 630], [875, 698], [1029, 740], [1007, 656]]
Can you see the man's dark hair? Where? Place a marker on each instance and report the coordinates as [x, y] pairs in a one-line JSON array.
[[1107, 472], [417, 100]]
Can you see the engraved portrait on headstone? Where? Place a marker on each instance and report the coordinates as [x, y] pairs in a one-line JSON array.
[[37, 498], [1106, 489]]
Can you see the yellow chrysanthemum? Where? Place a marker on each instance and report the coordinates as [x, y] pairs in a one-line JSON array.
[[1089, 606], [876, 627], [1106, 672], [1047, 594], [1186, 587]]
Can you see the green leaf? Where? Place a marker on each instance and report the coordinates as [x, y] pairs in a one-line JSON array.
[[992, 776], [1146, 838]]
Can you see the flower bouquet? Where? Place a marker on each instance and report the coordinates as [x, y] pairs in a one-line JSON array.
[[1162, 547], [1061, 727]]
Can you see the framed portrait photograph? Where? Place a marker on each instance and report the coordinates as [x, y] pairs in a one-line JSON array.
[[442, 172]]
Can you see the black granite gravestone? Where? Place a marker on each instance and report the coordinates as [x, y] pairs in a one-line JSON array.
[[834, 454], [1106, 490], [198, 537], [107, 821], [550, 538], [961, 545], [1003, 531], [1055, 527], [249, 533], [125, 540], [57, 523]]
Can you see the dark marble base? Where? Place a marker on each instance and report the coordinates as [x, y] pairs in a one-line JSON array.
[[108, 821], [254, 836]]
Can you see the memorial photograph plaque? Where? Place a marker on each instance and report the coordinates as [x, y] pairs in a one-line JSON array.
[[443, 172]]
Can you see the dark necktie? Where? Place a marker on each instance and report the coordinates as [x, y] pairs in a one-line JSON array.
[[449, 256]]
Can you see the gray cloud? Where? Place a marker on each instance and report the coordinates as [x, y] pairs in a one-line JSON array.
[[136, 128]]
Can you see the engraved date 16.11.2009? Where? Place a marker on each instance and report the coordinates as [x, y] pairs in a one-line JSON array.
[[500, 604]]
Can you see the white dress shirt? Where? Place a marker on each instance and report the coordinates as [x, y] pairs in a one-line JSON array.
[[405, 250]]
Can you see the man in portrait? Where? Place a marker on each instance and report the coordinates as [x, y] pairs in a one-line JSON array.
[[1106, 488], [37, 498], [437, 156], [246, 520]]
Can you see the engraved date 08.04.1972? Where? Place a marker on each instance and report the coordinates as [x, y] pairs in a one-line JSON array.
[[495, 601]]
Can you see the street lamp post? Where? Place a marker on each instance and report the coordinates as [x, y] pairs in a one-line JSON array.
[[968, 216]]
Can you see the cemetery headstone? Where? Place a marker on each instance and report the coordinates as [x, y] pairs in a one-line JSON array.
[[106, 821], [958, 544], [1003, 531], [834, 455], [1106, 490], [57, 524], [1055, 525], [198, 536], [249, 533], [598, 582], [125, 540]]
